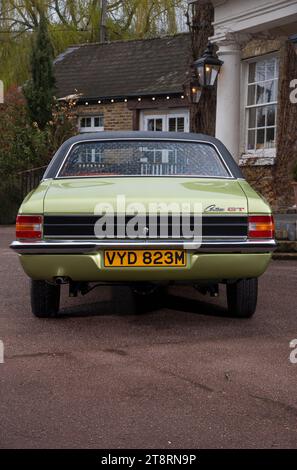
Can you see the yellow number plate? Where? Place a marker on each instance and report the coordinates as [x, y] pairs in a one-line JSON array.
[[144, 258]]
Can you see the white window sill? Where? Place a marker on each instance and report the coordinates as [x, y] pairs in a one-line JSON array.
[[91, 129], [262, 157]]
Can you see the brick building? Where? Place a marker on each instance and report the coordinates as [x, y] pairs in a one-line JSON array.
[[140, 84], [128, 85]]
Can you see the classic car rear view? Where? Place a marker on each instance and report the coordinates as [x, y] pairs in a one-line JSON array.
[[147, 210]]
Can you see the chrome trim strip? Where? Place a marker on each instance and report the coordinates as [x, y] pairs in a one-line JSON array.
[[85, 247], [153, 139], [162, 240], [204, 214]]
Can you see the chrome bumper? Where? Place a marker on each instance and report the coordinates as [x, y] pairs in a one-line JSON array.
[[41, 247]]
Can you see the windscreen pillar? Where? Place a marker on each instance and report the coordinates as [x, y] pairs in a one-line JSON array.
[[228, 96]]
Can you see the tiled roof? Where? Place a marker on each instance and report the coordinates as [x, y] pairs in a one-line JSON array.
[[124, 68]]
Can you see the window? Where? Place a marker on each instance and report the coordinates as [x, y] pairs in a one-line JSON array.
[[155, 124], [261, 104], [143, 158], [176, 124], [172, 121], [91, 123]]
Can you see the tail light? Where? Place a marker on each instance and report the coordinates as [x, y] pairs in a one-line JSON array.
[[261, 226], [29, 227]]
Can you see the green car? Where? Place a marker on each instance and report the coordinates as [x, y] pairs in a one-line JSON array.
[[144, 209]]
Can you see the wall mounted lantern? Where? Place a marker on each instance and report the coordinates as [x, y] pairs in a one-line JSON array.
[[208, 67], [195, 91]]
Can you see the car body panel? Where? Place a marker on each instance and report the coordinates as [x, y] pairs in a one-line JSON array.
[[33, 202], [84, 267], [80, 196], [47, 259], [256, 202]]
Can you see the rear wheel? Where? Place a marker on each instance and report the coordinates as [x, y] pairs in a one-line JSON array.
[[45, 299], [242, 297]]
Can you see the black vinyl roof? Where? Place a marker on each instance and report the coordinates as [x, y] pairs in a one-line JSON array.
[[140, 135], [124, 68]]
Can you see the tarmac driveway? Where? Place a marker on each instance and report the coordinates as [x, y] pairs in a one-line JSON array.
[[177, 375]]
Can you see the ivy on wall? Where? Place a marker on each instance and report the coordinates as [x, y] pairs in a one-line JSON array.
[[286, 128]]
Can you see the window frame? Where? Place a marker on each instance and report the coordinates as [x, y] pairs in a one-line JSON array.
[[155, 117], [92, 128], [246, 153], [165, 115], [176, 116]]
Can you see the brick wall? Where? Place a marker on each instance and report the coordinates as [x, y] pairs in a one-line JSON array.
[[117, 116], [257, 47]]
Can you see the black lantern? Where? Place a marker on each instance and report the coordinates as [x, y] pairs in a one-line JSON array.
[[208, 67], [195, 91]]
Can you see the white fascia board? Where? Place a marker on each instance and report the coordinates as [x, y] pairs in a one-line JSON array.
[[265, 15]]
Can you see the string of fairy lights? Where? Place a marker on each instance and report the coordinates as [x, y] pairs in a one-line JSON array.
[[125, 100]]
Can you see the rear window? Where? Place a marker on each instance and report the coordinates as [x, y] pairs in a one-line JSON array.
[[142, 158]]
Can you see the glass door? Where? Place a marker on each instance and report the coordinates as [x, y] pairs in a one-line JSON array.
[[154, 123], [176, 124]]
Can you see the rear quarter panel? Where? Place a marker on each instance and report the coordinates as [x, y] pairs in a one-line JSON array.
[[34, 201], [256, 203]]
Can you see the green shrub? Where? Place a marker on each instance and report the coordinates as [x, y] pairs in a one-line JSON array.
[[23, 146], [10, 200]]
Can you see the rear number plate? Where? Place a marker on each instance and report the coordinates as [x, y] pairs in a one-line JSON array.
[[144, 258]]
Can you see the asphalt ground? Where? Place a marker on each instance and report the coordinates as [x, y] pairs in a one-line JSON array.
[[177, 374]]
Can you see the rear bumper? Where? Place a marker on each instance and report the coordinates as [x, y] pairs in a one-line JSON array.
[[84, 261], [200, 266], [85, 247]]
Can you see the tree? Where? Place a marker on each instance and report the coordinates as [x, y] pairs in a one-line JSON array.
[[203, 114], [39, 90], [102, 31], [24, 146], [286, 129], [78, 21]]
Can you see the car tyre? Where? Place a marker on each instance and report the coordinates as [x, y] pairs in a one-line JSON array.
[[242, 298], [45, 299]]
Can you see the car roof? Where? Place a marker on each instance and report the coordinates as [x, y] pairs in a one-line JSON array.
[[139, 135]]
